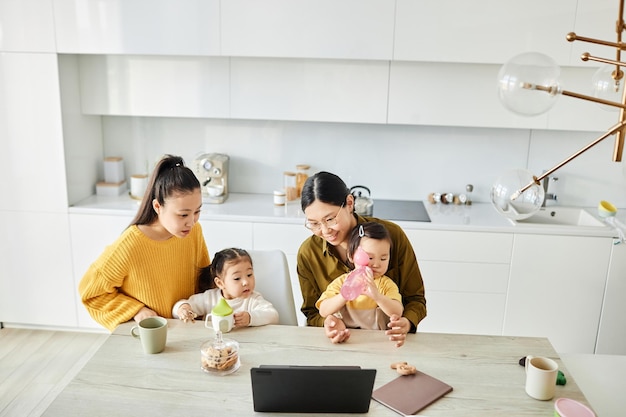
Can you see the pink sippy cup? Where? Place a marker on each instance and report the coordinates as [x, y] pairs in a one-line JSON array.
[[355, 283]]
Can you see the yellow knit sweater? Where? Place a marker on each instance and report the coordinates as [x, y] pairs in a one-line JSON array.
[[136, 271]]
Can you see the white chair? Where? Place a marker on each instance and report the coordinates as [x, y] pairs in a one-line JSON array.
[[274, 283]]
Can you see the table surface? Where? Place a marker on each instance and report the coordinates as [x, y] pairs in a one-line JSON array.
[[120, 380]]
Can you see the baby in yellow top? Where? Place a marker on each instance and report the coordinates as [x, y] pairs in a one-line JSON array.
[[380, 297]]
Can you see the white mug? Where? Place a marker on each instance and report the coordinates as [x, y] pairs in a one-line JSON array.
[[541, 376], [222, 324]]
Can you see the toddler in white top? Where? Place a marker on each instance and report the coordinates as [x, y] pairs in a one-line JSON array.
[[230, 276]]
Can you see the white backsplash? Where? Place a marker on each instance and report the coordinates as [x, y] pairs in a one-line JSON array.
[[394, 161]]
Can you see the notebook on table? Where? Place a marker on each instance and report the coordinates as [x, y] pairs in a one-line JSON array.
[[312, 389], [411, 393]]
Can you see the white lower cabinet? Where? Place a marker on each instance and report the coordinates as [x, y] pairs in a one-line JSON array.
[[465, 277], [36, 287], [612, 331], [556, 289], [90, 235], [476, 282], [220, 235]]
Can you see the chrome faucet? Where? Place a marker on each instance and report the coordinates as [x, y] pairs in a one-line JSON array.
[[546, 186]]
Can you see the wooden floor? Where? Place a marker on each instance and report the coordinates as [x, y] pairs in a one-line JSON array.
[[35, 366]]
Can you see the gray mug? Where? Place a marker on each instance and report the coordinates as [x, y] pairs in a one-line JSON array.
[[153, 334]]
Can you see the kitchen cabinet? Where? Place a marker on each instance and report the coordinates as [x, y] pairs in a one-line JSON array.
[[150, 27], [36, 285], [417, 96], [154, 86], [466, 277], [17, 20], [444, 94], [612, 330], [556, 289], [90, 235], [220, 235], [309, 90], [288, 238], [594, 19], [238, 88], [442, 31], [346, 29], [30, 115], [570, 113]]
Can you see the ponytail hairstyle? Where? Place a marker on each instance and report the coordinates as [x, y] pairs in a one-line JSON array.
[[373, 230], [206, 278], [170, 177], [324, 187]]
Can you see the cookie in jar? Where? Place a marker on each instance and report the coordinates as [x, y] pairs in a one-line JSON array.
[[220, 356]]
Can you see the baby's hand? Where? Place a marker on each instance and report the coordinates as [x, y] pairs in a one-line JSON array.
[[371, 290], [242, 319], [186, 314]]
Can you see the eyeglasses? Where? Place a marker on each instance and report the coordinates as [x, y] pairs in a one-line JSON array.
[[328, 222]]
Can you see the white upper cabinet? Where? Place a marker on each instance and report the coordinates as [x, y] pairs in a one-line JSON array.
[[159, 27], [26, 26], [154, 86], [570, 113], [309, 90], [33, 175], [487, 31], [342, 29], [595, 19], [425, 93]]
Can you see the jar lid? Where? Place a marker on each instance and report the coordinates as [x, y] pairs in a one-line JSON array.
[[303, 167], [289, 174], [566, 407]]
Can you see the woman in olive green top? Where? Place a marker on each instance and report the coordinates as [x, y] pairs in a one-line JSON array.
[[329, 210]]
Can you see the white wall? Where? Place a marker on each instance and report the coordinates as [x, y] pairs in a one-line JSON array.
[[396, 162]]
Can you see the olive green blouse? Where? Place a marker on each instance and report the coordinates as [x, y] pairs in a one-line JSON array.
[[318, 266]]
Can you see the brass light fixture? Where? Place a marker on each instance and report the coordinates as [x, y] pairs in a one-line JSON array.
[[529, 73]]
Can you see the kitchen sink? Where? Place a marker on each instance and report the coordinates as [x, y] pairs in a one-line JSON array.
[[562, 216]]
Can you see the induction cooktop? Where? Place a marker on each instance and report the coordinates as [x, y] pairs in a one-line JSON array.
[[401, 210]]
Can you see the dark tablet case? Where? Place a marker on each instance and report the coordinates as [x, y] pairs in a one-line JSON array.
[[312, 389], [411, 393]]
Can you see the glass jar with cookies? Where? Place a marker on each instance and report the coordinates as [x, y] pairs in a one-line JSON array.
[[220, 356]]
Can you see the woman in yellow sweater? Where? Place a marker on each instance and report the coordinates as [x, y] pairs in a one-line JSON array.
[[156, 260]]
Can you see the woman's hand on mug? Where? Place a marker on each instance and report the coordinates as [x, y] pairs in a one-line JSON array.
[[144, 313], [336, 329], [398, 329]]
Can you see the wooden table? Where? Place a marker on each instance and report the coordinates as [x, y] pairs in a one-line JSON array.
[[120, 380]]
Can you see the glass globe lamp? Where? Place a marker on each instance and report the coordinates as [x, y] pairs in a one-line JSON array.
[[521, 77], [606, 87], [506, 201]]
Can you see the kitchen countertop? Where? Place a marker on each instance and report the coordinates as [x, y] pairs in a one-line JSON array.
[[259, 208]]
